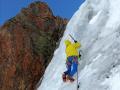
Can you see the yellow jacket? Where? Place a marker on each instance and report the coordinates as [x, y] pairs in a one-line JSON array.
[[71, 48]]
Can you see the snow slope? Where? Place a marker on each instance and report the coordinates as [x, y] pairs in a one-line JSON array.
[[96, 25]]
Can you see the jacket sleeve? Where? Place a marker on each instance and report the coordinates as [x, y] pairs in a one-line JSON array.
[[77, 45]]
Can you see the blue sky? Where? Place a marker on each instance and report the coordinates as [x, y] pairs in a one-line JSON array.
[[63, 8]]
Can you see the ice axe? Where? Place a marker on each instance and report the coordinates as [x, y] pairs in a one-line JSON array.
[[72, 38]]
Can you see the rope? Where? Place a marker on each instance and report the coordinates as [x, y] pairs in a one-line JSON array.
[[78, 83], [77, 80]]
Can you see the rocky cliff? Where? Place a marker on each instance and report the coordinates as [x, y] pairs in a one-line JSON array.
[[27, 43]]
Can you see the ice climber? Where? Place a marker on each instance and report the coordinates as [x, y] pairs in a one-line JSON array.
[[72, 59]]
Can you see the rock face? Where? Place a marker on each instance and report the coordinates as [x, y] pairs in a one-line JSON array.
[[27, 43]]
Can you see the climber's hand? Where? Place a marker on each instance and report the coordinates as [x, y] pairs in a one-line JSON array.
[[75, 41]]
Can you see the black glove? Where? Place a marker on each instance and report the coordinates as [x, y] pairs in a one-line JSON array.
[[75, 41], [79, 55]]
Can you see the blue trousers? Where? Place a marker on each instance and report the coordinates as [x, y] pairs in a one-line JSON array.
[[72, 65]]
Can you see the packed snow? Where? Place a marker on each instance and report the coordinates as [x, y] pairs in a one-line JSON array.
[[96, 25]]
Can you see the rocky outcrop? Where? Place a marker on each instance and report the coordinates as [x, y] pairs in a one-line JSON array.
[[27, 43]]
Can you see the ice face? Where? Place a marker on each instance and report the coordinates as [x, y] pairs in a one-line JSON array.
[[96, 26]]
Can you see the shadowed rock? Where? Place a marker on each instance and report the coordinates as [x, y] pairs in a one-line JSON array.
[[27, 43]]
